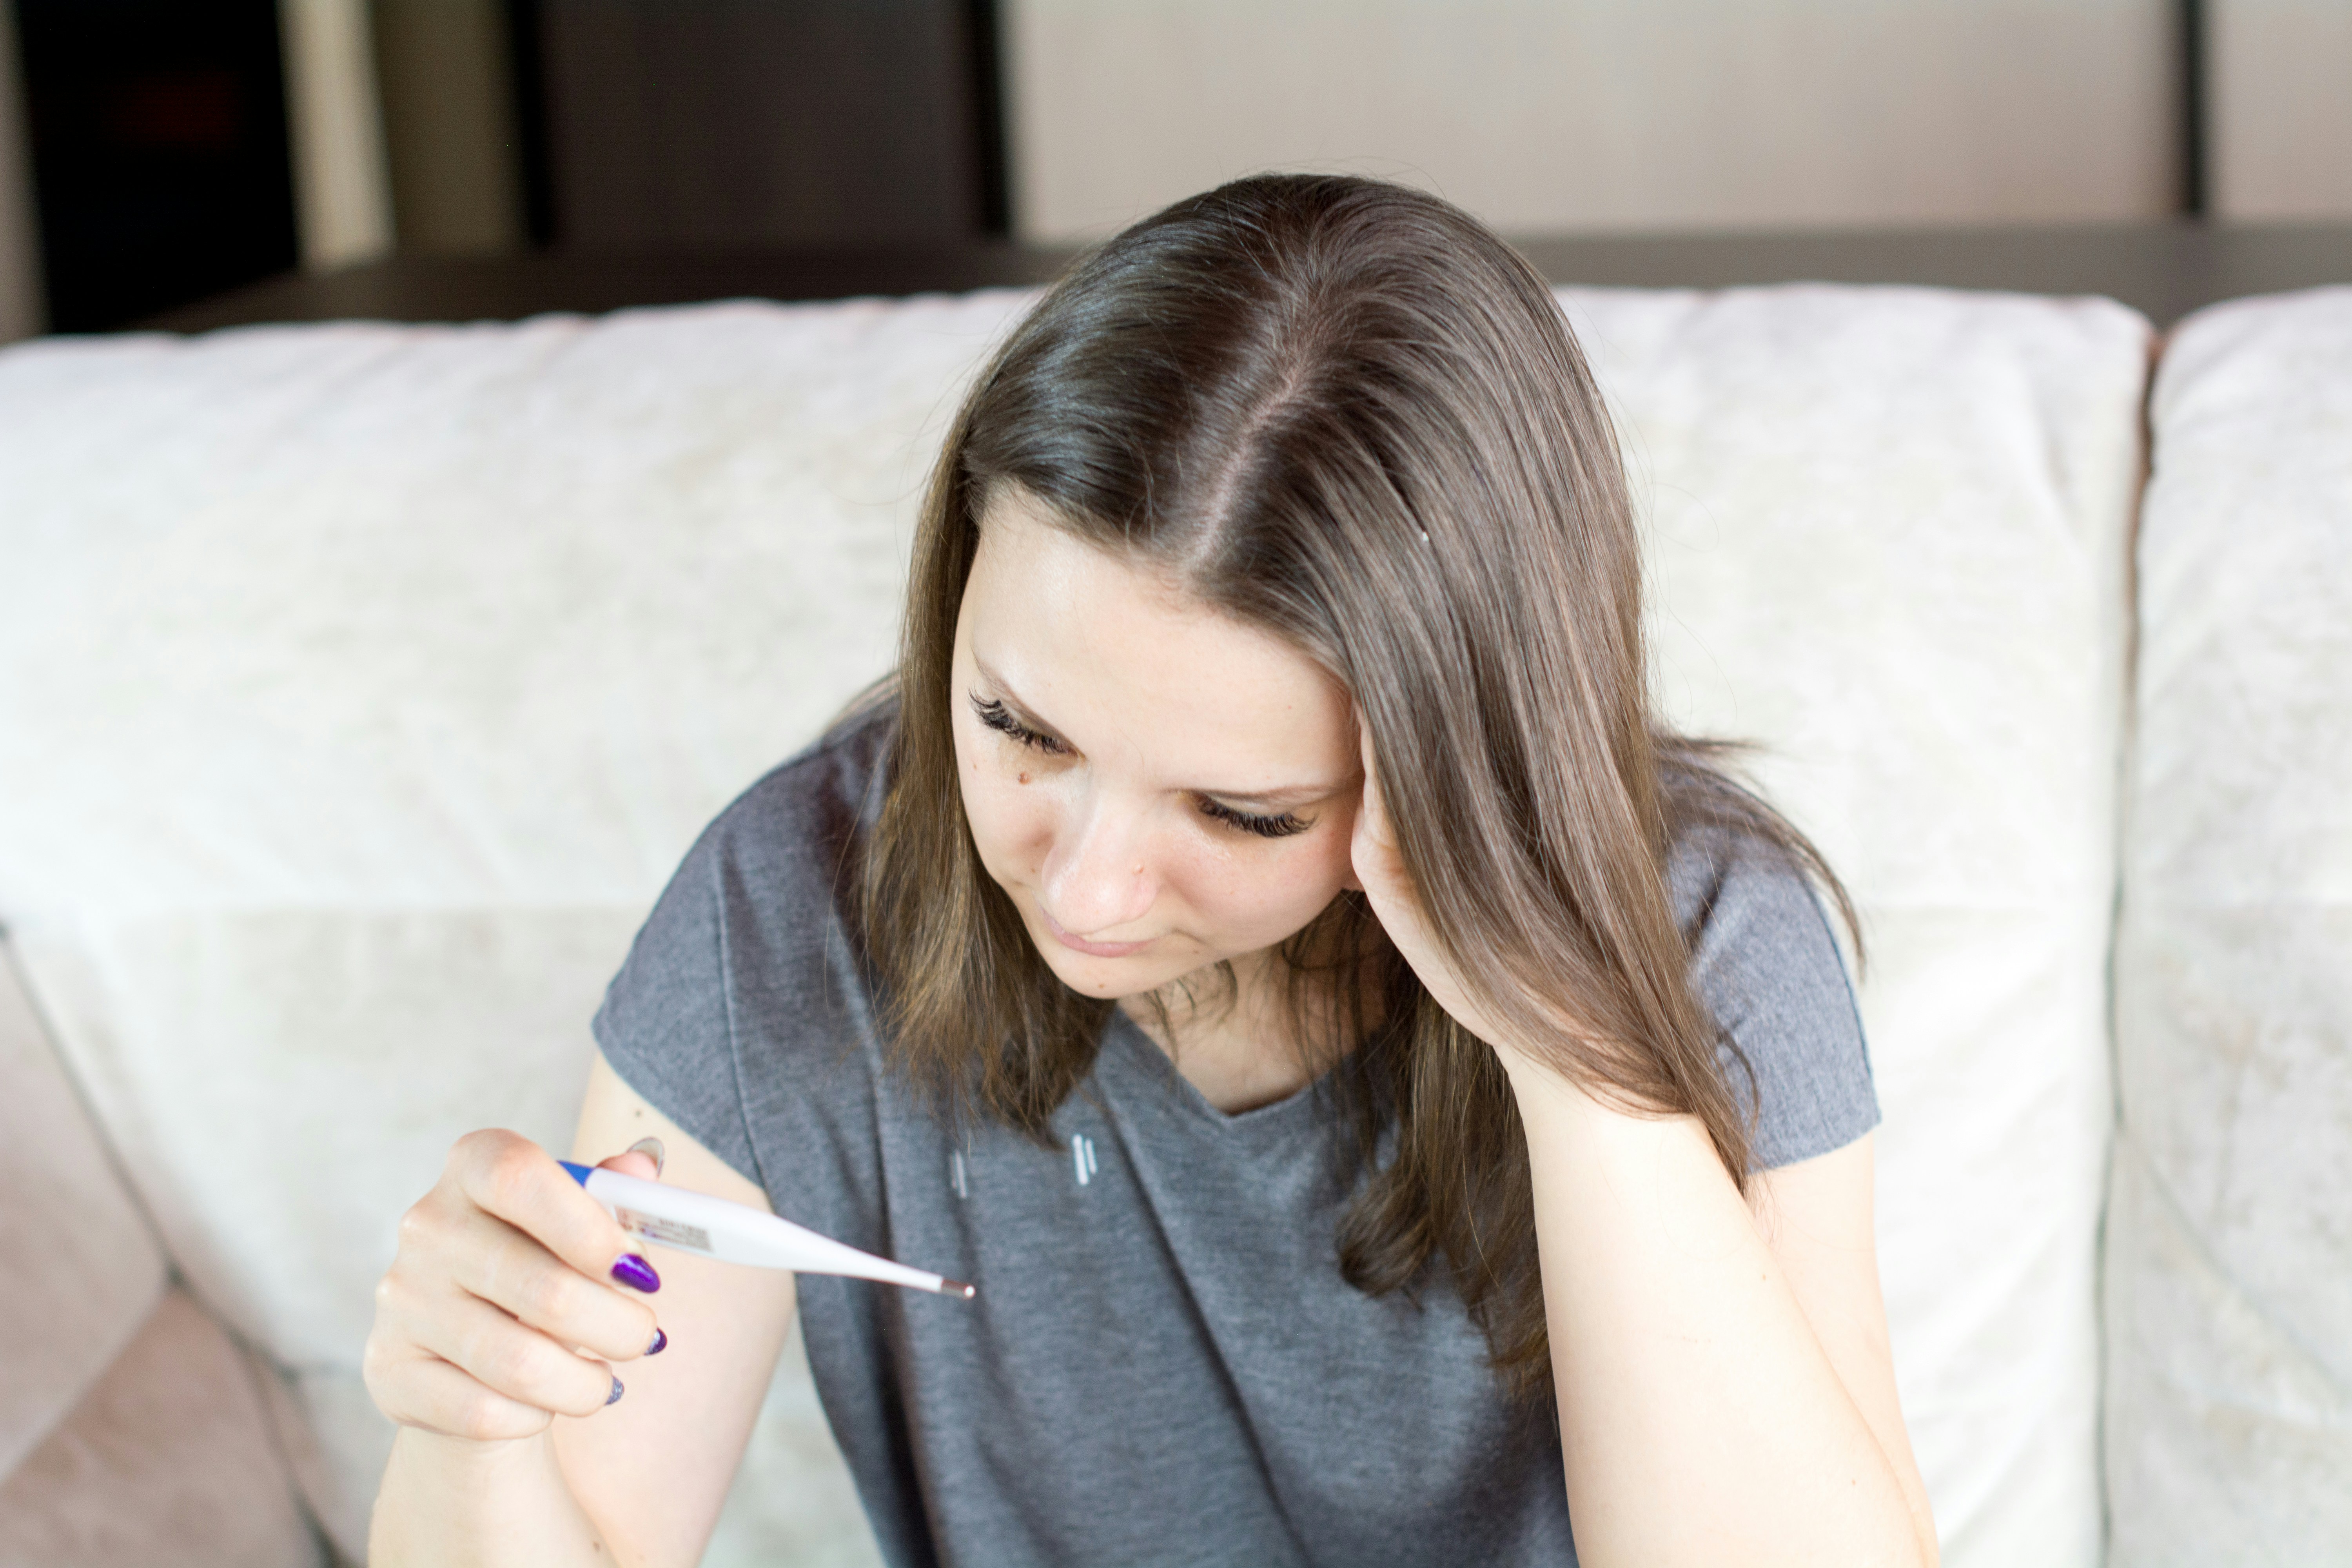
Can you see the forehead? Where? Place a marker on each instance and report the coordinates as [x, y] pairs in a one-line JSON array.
[[1091, 641]]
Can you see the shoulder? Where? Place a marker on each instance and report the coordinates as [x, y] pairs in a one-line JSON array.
[[765, 899], [1730, 885], [1765, 962], [794, 828], [743, 973]]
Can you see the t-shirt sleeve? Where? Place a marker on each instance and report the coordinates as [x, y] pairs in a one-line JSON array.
[[664, 1023], [1765, 964]]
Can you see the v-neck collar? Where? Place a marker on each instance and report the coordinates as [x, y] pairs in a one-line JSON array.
[[1130, 1052]]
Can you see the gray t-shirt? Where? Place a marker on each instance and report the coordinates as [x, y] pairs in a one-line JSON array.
[[1162, 1364]]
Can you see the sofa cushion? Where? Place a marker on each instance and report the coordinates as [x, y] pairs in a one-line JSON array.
[[168, 1459], [71, 1230], [795, 1502], [1889, 538], [360, 686], [2230, 1246]]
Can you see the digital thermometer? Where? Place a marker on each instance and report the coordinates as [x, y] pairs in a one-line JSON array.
[[697, 1222]]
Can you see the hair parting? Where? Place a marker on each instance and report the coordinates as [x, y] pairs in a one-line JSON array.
[[1345, 413]]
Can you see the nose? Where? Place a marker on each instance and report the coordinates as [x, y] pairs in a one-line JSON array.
[[1098, 877]]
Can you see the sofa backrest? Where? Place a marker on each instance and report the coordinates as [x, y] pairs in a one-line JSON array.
[[2228, 1272], [1889, 537], [359, 687]]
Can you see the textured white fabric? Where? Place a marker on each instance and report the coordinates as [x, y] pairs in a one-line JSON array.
[[2230, 1244], [358, 686]]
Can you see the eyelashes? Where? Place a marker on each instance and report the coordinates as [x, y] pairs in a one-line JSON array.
[[999, 717], [993, 714], [1281, 827]]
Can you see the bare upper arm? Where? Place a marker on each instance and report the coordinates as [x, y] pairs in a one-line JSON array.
[[652, 1470], [1817, 1216]]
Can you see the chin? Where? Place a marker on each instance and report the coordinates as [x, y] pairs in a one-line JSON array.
[[1108, 988], [1111, 978], [1106, 977]]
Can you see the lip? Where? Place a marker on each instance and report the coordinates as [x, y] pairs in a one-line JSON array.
[[1091, 949]]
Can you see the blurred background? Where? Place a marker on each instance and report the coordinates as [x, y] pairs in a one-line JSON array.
[[157, 153]]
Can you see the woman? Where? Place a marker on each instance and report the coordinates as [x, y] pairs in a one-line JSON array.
[[1397, 1102]]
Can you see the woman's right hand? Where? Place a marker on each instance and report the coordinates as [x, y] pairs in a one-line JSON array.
[[511, 1295]]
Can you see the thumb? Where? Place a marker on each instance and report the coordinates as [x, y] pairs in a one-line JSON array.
[[641, 1159]]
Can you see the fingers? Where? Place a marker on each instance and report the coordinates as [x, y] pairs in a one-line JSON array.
[[641, 1160], [516, 1180], [442, 1359], [497, 1264], [427, 1391], [516, 1361], [500, 1308]]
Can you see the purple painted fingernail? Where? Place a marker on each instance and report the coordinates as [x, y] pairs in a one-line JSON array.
[[637, 1273], [661, 1342], [617, 1392]]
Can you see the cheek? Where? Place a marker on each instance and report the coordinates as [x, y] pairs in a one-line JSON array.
[[1012, 822], [1253, 899]]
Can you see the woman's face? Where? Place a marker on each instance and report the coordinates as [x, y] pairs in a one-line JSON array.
[[1156, 787]]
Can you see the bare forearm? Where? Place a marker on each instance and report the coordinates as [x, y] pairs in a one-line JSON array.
[[451, 1503], [1701, 1421]]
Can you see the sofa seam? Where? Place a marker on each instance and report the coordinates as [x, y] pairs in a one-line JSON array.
[[2125, 776]]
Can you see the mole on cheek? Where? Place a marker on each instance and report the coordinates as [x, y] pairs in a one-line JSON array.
[[1025, 778]]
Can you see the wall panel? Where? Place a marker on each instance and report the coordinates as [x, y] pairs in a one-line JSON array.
[[20, 252], [1581, 115], [719, 124], [445, 79], [342, 189], [2280, 108]]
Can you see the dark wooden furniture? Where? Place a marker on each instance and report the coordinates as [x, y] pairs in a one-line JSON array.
[[157, 130], [686, 124], [2163, 269]]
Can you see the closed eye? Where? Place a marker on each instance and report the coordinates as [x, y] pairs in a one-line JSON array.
[[1281, 827], [993, 714], [996, 716]]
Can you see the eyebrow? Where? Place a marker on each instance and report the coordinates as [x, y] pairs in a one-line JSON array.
[[1271, 799]]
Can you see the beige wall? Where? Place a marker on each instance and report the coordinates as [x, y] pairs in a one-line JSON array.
[[342, 189], [1566, 115], [20, 264], [2280, 111]]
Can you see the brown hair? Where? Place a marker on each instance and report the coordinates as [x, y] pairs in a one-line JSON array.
[[1345, 412]]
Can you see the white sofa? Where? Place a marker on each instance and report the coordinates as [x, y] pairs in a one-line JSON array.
[[361, 685]]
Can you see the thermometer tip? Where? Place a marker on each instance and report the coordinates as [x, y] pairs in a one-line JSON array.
[[957, 1288]]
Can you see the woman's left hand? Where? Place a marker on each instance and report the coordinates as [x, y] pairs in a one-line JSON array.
[[1394, 900]]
